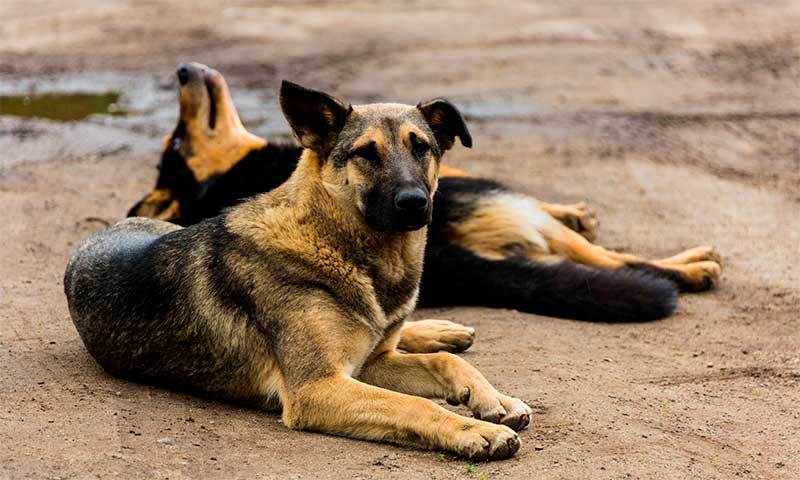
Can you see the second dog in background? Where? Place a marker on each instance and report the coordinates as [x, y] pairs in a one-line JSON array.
[[487, 245]]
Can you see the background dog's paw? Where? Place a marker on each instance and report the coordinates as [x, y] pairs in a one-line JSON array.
[[582, 219], [485, 441], [696, 254], [699, 276], [429, 336]]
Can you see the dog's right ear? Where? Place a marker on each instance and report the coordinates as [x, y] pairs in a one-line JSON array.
[[315, 117]]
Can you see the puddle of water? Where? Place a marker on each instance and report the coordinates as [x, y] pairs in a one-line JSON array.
[[63, 107]]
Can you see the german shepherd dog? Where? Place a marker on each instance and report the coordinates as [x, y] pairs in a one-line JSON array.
[[295, 299], [487, 245]]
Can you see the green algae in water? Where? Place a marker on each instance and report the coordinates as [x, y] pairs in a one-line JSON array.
[[63, 107]]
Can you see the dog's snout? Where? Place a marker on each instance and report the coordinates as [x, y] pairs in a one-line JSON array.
[[411, 199], [183, 74]]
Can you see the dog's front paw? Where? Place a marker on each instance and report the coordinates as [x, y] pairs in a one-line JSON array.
[[485, 441], [491, 406], [429, 336]]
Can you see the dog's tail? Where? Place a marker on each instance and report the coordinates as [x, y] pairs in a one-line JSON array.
[[455, 276]]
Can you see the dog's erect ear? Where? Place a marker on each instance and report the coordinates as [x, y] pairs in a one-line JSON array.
[[315, 117], [446, 122]]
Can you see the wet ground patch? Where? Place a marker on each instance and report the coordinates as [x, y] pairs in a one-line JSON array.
[[63, 107]]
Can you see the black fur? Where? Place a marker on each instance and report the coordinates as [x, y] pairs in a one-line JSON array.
[[455, 200], [456, 276], [259, 171], [446, 122], [315, 117]]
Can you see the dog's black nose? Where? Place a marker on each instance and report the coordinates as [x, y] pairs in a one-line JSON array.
[[410, 199], [183, 74]]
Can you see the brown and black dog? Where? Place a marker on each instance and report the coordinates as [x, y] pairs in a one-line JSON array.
[[487, 245], [295, 299]]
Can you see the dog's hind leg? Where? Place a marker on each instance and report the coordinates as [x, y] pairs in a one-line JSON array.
[[444, 375], [578, 217], [699, 272], [428, 336], [697, 254]]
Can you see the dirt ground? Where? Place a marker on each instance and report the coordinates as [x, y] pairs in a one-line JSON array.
[[679, 121]]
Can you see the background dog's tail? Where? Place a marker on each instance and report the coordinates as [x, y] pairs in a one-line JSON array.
[[455, 276]]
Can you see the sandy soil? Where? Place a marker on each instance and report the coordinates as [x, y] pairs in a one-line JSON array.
[[679, 121]]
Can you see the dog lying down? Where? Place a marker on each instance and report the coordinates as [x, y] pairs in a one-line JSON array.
[[295, 299], [486, 246]]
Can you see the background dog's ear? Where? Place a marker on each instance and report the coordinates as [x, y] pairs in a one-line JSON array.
[[446, 122], [315, 117]]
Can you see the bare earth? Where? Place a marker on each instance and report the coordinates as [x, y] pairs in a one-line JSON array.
[[678, 121]]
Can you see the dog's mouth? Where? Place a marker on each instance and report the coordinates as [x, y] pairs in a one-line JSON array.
[[212, 101]]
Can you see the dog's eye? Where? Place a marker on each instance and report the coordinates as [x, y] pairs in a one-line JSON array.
[[419, 147], [368, 152]]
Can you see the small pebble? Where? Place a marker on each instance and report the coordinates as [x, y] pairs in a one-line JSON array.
[[166, 441]]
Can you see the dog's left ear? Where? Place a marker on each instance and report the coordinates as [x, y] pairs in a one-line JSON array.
[[315, 117], [446, 122]]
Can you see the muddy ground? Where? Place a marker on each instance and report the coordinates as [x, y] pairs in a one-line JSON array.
[[678, 121]]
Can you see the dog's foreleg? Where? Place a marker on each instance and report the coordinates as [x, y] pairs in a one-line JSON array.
[[344, 406], [444, 375], [318, 392]]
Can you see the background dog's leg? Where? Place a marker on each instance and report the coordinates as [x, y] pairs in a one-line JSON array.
[[445, 171], [692, 275], [344, 406], [697, 254], [444, 375], [577, 217], [572, 245], [428, 336]]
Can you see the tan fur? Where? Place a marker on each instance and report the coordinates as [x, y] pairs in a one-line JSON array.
[[407, 128], [429, 336], [173, 210], [160, 205], [213, 151], [445, 171], [696, 266], [371, 134], [503, 225], [509, 224], [576, 216]]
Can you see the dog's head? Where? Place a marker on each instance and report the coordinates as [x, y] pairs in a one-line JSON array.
[[384, 158], [208, 140]]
